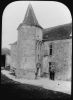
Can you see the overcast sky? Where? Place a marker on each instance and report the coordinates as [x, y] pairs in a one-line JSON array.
[[48, 14]]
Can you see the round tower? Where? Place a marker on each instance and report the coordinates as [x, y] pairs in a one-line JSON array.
[[29, 32]]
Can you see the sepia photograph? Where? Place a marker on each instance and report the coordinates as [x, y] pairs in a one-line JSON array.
[[36, 52]]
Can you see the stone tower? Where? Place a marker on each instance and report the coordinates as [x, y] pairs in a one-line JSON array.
[[28, 47]]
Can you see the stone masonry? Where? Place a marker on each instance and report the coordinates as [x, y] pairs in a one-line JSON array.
[[33, 47]]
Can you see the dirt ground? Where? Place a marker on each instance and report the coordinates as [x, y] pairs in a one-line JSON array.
[[14, 90]]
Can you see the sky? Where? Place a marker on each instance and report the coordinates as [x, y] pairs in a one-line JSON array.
[[48, 14]]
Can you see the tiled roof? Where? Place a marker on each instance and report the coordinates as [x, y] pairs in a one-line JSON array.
[[57, 32], [5, 51], [30, 18], [15, 43]]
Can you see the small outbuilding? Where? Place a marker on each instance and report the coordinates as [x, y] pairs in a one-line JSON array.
[[5, 58]]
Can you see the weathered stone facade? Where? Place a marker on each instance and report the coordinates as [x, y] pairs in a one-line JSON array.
[[13, 56], [31, 49], [61, 55], [26, 52]]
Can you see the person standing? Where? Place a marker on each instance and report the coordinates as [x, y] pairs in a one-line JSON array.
[[52, 71]]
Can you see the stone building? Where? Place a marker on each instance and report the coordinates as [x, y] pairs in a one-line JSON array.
[[45, 46], [6, 58]]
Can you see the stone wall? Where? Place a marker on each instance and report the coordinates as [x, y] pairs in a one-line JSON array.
[[26, 49], [62, 56], [13, 56], [24, 54]]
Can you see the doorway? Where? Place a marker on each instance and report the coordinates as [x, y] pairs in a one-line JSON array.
[[51, 71]]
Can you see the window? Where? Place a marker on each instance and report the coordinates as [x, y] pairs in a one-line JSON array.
[[50, 52], [38, 56], [50, 63]]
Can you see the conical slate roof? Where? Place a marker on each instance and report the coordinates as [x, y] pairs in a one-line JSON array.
[[30, 18]]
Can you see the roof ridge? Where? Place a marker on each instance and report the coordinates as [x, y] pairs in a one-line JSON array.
[[57, 26]]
